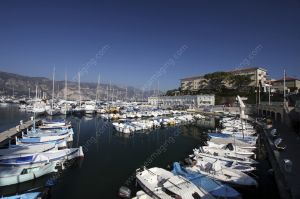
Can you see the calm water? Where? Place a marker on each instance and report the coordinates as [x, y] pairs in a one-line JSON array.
[[111, 158]]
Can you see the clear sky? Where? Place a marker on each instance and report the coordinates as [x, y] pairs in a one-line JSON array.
[[130, 41]]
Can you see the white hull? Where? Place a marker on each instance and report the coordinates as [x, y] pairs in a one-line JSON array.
[[38, 159], [8, 178], [28, 148]]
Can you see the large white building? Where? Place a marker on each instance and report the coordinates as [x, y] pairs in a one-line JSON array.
[[258, 76], [190, 101]]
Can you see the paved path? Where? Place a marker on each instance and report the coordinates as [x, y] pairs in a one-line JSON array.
[[10, 133], [292, 152]]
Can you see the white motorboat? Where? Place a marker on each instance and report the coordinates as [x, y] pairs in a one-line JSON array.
[[223, 152], [231, 147], [53, 111], [38, 159], [229, 164], [162, 184], [223, 174], [242, 160], [15, 175], [28, 148]]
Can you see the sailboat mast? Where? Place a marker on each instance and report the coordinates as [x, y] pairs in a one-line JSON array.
[[53, 87], [97, 92], [66, 86], [79, 89], [110, 90], [284, 85], [126, 95], [35, 92]]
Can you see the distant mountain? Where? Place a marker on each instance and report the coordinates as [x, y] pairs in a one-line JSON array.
[[21, 86]]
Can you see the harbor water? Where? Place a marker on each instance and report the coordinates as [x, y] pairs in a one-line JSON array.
[[111, 158]]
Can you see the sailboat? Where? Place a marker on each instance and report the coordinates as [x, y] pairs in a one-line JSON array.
[[53, 110], [65, 108], [78, 110]]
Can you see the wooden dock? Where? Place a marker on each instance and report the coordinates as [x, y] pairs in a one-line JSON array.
[[15, 131]]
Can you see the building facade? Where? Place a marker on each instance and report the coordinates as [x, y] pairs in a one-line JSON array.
[[291, 84], [189, 101], [258, 76], [192, 83]]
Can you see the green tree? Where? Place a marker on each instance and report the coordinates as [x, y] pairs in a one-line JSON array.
[[240, 81]]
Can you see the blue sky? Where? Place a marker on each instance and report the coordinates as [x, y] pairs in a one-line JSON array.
[[130, 41]]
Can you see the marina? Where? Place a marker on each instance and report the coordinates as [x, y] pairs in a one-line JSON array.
[[142, 99], [107, 151]]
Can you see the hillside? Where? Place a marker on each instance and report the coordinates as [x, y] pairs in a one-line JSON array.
[[19, 85]]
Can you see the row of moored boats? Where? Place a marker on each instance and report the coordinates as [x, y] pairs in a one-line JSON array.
[[38, 152], [216, 170]]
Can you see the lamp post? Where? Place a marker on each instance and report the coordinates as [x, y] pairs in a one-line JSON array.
[[284, 85], [269, 94]]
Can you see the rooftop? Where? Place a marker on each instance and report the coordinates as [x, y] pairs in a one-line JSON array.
[[234, 70], [192, 78], [287, 78], [248, 69]]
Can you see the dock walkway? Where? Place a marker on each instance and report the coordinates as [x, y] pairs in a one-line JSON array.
[[14, 131], [287, 181]]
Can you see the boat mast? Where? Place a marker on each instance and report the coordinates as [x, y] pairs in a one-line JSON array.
[[284, 86], [97, 92], [126, 95], [53, 87], [110, 90], [79, 89], [35, 92], [66, 86]]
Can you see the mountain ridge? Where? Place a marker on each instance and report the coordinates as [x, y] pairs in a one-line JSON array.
[[22, 85]]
